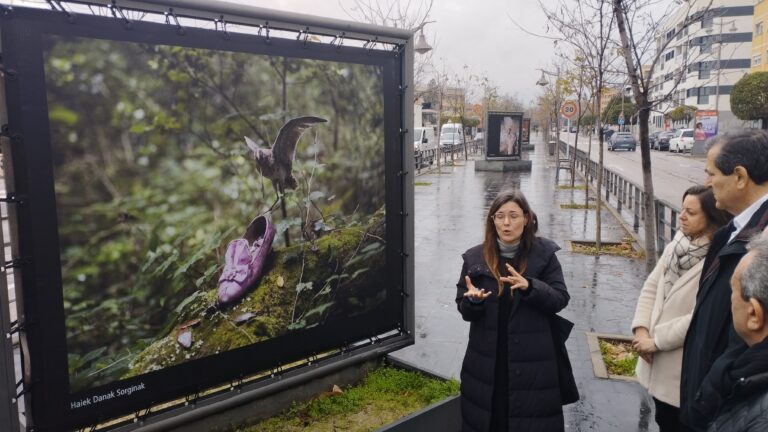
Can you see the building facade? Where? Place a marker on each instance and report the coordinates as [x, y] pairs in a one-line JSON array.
[[701, 61], [760, 38]]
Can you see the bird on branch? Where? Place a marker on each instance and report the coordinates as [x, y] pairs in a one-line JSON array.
[[276, 163]]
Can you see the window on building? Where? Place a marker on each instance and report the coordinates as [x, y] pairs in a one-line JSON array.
[[704, 71], [670, 34], [756, 59], [706, 46], [706, 21], [669, 56], [759, 28], [703, 96]]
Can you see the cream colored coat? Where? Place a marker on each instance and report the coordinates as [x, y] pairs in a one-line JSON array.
[[667, 316]]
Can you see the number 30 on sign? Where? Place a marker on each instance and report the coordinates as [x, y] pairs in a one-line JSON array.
[[569, 109]]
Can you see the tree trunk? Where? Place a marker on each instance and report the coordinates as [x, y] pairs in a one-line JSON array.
[[641, 98], [599, 194], [648, 197], [589, 170]]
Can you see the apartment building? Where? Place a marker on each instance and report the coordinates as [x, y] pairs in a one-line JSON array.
[[760, 37], [701, 62]]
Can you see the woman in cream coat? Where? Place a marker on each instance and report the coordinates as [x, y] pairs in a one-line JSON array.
[[666, 303]]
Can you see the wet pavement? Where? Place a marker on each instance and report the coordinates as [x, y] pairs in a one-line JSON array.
[[449, 211]]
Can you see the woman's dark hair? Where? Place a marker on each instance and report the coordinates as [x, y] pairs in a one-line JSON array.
[[716, 218], [491, 247]]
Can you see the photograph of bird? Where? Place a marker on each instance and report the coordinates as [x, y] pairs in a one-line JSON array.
[[276, 163]]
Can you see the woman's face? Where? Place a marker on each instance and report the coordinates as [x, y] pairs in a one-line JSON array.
[[693, 221], [510, 221]]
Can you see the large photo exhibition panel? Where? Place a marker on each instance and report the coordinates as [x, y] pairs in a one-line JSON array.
[[504, 138], [200, 207]]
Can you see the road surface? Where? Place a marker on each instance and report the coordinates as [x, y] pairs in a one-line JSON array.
[[672, 173]]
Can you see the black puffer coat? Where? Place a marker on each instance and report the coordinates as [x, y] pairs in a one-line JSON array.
[[737, 388], [531, 383]]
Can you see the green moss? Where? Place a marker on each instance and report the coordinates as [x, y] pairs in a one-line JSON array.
[[619, 357], [575, 187], [423, 184], [384, 396]]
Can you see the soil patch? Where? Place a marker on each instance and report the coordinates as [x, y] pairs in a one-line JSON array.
[[624, 248], [574, 206]]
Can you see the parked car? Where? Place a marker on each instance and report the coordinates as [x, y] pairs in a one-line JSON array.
[[573, 129], [682, 141], [662, 142], [622, 140], [653, 140], [479, 136]]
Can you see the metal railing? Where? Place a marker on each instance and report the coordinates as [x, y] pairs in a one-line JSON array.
[[627, 198], [425, 159]]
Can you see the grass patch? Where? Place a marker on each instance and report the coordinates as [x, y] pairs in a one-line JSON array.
[[423, 184], [624, 249], [384, 396], [619, 357], [574, 206], [575, 187]]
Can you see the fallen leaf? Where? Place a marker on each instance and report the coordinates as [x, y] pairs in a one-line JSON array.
[[280, 281], [190, 323], [244, 317]]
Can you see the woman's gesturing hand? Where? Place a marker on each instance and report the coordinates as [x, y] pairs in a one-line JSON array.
[[474, 293], [515, 279]]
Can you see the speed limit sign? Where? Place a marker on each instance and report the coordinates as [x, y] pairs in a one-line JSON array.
[[569, 109]]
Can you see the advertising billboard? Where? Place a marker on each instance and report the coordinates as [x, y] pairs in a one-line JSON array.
[[705, 126], [504, 137], [202, 206]]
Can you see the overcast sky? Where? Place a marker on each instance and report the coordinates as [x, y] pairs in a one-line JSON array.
[[476, 33]]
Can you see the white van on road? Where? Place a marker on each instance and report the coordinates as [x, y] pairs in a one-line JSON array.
[[451, 134]]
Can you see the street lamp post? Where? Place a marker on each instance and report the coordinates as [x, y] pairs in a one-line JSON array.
[[543, 83], [719, 59], [422, 47]]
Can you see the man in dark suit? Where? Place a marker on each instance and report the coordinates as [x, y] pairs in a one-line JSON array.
[[737, 171]]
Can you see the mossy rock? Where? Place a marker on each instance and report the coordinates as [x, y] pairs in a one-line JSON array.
[[304, 285]]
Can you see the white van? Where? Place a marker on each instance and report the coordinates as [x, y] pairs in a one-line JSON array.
[[451, 134], [424, 139]]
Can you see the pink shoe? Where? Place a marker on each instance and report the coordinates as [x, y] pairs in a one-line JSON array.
[[245, 260]]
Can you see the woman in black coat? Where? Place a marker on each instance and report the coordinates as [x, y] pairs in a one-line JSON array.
[[511, 287]]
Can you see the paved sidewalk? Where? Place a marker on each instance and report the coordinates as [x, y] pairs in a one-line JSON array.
[[449, 219]]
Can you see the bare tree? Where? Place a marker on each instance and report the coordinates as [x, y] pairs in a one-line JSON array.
[[644, 41], [586, 26], [406, 14]]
